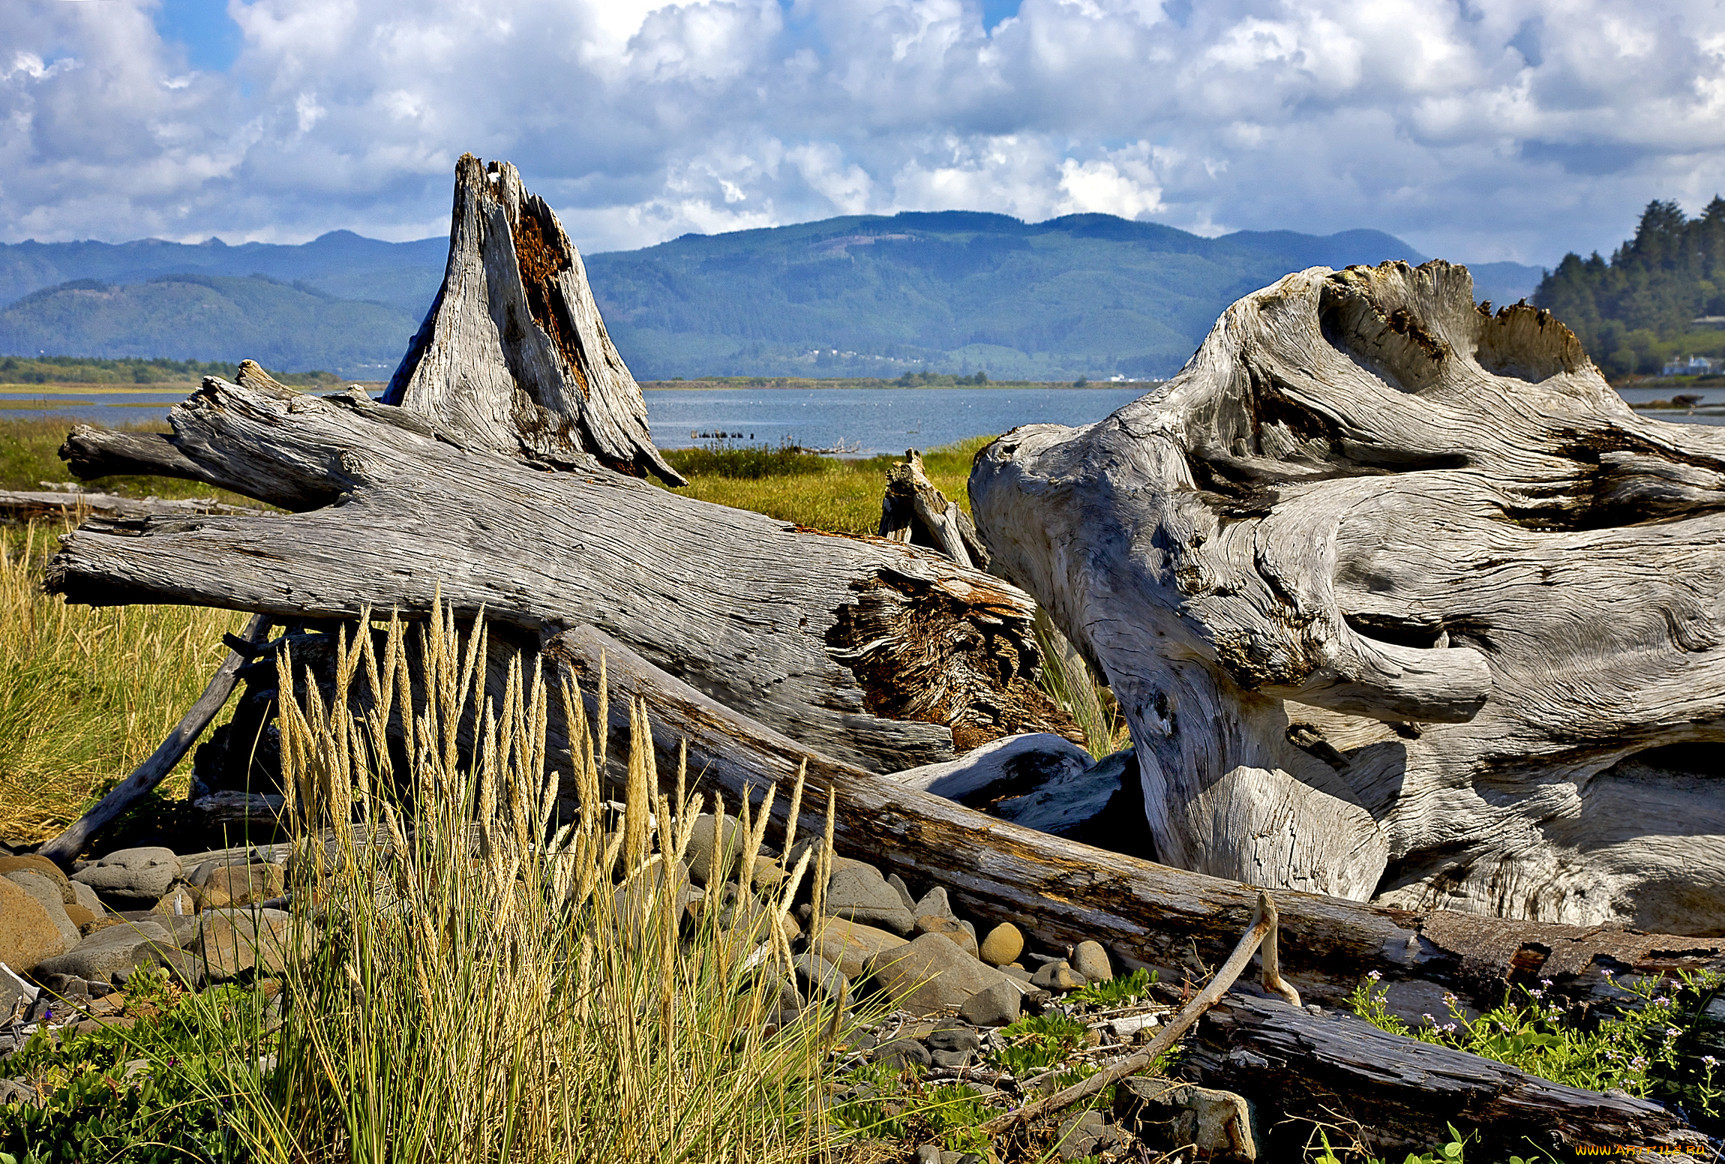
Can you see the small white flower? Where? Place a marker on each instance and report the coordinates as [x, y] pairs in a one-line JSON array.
[[1710, 1061], [1374, 975]]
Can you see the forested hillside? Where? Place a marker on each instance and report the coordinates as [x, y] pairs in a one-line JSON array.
[[1640, 309], [948, 293]]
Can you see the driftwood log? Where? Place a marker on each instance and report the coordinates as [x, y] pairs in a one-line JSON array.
[[1400, 600], [914, 511], [1183, 924], [37, 504]]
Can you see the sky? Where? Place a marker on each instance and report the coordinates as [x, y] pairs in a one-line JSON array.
[[1473, 129]]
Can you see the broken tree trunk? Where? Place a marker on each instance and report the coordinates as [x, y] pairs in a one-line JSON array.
[[878, 653], [913, 511], [513, 356], [1399, 599]]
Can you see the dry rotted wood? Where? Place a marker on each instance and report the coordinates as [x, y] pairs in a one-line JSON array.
[[913, 511], [1401, 600], [880, 654], [65, 847], [513, 355], [1399, 1094], [1173, 920]]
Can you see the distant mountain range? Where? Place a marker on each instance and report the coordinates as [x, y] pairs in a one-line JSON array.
[[1085, 295]]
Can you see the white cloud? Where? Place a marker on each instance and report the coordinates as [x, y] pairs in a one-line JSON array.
[[1519, 128]]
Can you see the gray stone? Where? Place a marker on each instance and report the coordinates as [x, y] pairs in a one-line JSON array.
[[951, 1058], [934, 903], [1080, 1135], [903, 891], [1091, 960], [1003, 945], [817, 976], [857, 896], [111, 954], [15, 993], [932, 974], [231, 942], [48, 896], [1218, 1124], [140, 875], [928, 1154], [951, 930], [1057, 976], [954, 1039], [698, 855], [852, 946], [901, 1051], [85, 896], [994, 1006], [16, 1091], [1017, 973]]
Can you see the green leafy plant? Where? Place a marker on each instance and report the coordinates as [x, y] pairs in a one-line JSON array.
[[1121, 990], [1037, 1042], [1648, 1049]]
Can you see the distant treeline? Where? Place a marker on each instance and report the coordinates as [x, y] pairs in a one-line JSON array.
[[1637, 311], [83, 370]]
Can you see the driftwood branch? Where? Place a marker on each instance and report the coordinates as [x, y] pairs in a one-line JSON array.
[[1261, 931], [33, 505], [168, 753], [915, 512]]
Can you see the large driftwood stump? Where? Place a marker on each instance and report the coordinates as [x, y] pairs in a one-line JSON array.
[[1400, 600]]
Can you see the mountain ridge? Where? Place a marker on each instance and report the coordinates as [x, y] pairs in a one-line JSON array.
[[870, 295]]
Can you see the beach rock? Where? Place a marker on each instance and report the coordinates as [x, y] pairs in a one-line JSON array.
[[1058, 977], [903, 892], [901, 1051], [1218, 1124], [137, 876], [16, 1091], [852, 946], [1002, 946], [1091, 960], [817, 977], [111, 954], [636, 899], [994, 1006], [699, 853], [79, 916], [954, 1039], [85, 897], [1080, 1135], [28, 935], [231, 942], [948, 928], [934, 903], [861, 894], [231, 885], [47, 895], [178, 901], [31, 863], [932, 974], [182, 926]]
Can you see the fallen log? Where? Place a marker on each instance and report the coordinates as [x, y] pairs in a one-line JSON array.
[[19, 505], [1399, 599], [880, 654], [1168, 919], [1397, 1094]]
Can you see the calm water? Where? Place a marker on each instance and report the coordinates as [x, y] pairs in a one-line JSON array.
[[863, 420], [869, 420]]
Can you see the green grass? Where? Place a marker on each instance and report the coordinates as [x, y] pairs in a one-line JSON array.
[[835, 494]]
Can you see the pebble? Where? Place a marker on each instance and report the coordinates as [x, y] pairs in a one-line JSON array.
[[949, 929], [1003, 945], [698, 854], [935, 903], [1058, 977], [815, 975], [950, 1058], [1091, 960], [954, 1039]]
